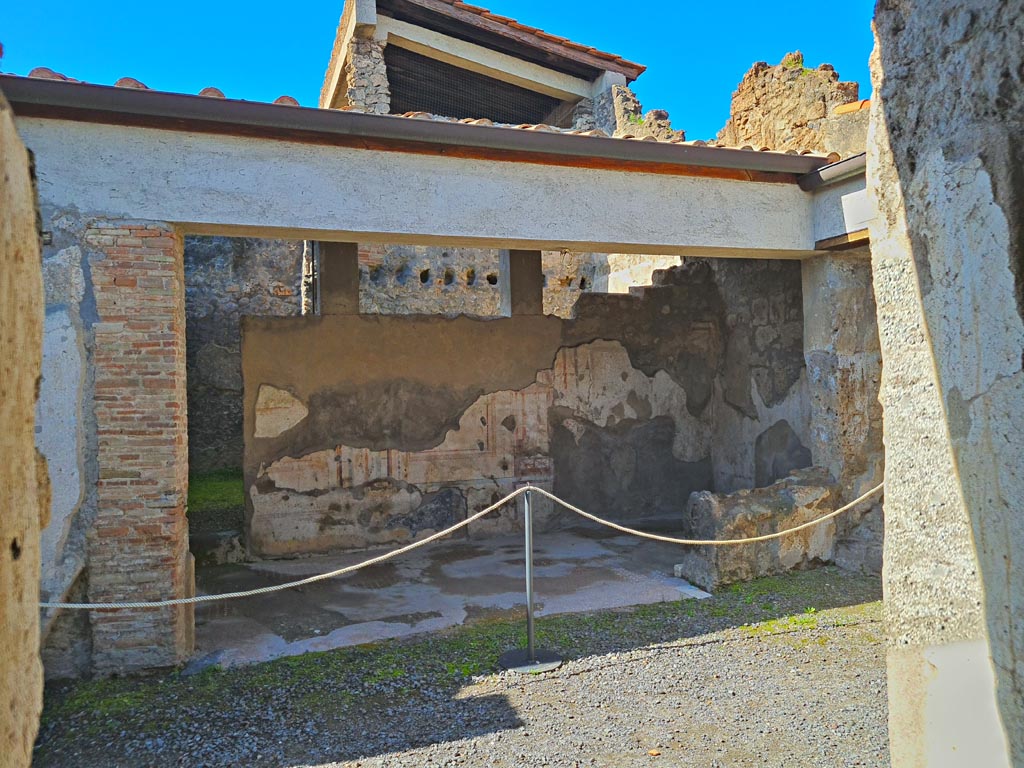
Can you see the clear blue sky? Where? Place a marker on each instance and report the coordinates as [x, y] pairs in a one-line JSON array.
[[696, 53]]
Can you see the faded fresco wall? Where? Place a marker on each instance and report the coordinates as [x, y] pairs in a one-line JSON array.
[[944, 170], [23, 493], [228, 278], [620, 409]]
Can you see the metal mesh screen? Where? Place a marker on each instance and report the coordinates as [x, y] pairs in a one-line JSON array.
[[421, 84]]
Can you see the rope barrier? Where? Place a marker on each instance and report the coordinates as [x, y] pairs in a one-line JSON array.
[[300, 582], [447, 532], [710, 542]]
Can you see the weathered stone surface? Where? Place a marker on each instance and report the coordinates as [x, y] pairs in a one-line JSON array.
[[401, 279], [799, 498], [844, 370], [630, 119], [24, 487], [24, 498], [629, 270], [779, 107], [366, 76], [777, 452], [618, 113], [944, 160]]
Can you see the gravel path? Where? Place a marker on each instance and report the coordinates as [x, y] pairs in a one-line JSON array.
[[720, 702], [783, 672]]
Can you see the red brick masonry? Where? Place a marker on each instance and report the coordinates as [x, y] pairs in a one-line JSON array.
[[138, 545]]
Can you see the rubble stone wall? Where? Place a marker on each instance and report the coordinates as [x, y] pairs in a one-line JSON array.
[[802, 496], [400, 425], [792, 107], [944, 172], [366, 76], [226, 278], [24, 498]]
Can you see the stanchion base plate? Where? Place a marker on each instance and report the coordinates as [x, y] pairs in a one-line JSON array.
[[519, 661]]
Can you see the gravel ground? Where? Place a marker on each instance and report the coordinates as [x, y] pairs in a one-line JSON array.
[[781, 672]]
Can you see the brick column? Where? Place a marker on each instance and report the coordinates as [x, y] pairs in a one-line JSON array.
[[138, 546]]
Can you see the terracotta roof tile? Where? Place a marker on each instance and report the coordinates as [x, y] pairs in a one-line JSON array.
[[853, 106], [564, 42], [45, 73], [131, 82], [211, 92]]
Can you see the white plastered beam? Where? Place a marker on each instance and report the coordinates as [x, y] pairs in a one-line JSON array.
[[211, 183]]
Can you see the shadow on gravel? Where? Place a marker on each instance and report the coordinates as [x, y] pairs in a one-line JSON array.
[[365, 701]]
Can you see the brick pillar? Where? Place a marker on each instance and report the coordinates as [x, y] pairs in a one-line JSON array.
[[138, 546]]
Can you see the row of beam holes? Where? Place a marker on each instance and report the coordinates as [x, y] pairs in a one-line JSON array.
[[449, 277], [403, 272]]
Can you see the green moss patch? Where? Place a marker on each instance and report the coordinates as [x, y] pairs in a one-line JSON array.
[[216, 500]]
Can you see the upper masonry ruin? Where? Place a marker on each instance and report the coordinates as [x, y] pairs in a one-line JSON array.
[[450, 59], [445, 59]]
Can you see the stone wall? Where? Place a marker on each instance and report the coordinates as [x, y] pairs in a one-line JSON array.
[[619, 409], [23, 488], [802, 496], [844, 371], [112, 424], [366, 76], [792, 107], [944, 171], [427, 280], [617, 112], [226, 278]]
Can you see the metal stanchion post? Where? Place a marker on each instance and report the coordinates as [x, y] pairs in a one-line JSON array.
[[531, 660]]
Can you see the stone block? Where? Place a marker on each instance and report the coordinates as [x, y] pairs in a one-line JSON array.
[[805, 495]]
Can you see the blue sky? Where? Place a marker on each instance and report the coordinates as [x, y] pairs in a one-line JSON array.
[[696, 53]]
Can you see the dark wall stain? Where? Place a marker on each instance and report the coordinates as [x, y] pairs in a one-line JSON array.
[[676, 327], [437, 512], [626, 471], [777, 452]]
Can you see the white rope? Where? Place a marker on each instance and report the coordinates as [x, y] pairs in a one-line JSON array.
[[447, 532], [710, 542], [300, 582]]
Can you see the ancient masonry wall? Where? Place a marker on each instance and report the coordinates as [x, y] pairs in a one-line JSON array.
[[366, 76], [944, 173], [226, 278], [112, 424], [647, 385], [24, 499], [792, 107], [138, 542]]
